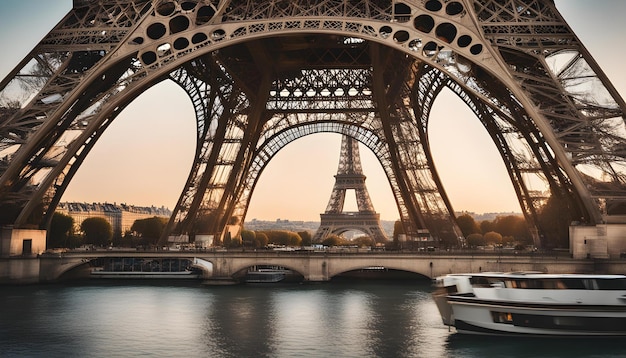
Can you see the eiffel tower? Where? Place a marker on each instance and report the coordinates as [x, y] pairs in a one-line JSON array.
[[261, 74], [350, 177]]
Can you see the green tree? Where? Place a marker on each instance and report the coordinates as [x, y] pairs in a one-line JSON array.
[[467, 224], [262, 239], [493, 237], [61, 230], [294, 239], [554, 220], [508, 240], [306, 238], [474, 240], [149, 230], [507, 225], [332, 240], [364, 241], [248, 238], [97, 231], [235, 242], [398, 229], [129, 240], [117, 238], [486, 226], [283, 237]]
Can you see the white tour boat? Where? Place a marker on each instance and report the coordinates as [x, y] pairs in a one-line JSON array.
[[533, 304]]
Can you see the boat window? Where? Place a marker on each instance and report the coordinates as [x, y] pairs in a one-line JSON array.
[[516, 283], [553, 284], [502, 317], [611, 284], [590, 284], [479, 281], [573, 283]]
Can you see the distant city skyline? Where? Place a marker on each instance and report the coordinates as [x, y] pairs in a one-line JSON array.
[[145, 155]]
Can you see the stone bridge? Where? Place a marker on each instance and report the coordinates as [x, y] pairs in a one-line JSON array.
[[323, 266]]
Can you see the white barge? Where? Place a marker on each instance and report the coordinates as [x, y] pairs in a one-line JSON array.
[[265, 276], [533, 304], [144, 268]]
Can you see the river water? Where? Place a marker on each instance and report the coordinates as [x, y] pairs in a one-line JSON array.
[[176, 319]]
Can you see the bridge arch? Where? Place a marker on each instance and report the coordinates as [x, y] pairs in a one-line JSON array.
[[386, 268]]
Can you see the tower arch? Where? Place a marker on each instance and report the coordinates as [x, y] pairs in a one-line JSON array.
[[370, 55]]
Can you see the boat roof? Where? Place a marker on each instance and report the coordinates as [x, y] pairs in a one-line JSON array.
[[536, 275]]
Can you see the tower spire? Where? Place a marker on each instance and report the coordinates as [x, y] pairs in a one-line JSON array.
[[350, 177]]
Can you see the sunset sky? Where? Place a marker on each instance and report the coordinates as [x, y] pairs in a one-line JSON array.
[[145, 155]]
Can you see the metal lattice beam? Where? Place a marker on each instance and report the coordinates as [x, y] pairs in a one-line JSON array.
[[263, 73]]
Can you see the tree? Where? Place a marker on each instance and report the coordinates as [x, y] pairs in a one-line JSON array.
[[332, 240], [306, 238], [554, 220], [467, 225], [493, 237], [398, 229], [262, 239], [283, 237], [235, 241], [97, 231], [248, 238], [364, 241], [506, 225], [149, 229], [474, 240], [61, 230], [486, 226], [129, 240]]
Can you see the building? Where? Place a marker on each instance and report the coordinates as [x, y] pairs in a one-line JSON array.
[[121, 216], [21, 242]]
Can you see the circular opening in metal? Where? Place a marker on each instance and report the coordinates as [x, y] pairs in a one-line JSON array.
[[415, 45], [187, 5], [166, 9], [149, 57], [199, 37], [181, 43], [464, 40], [454, 8], [385, 31], [401, 36], [156, 31], [204, 15], [476, 49], [178, 24], [433, 5], [430, 49], [446, 32], [424, 23]]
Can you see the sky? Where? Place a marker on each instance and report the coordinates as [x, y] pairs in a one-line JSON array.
[[145, 155]]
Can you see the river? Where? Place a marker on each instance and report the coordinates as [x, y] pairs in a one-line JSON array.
[[186, 319]]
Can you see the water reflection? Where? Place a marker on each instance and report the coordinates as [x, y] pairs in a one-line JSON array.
[[364, 320], [190, 320]]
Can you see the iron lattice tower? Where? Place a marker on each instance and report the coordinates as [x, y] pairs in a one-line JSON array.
[[350, 177], [261, 74]]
